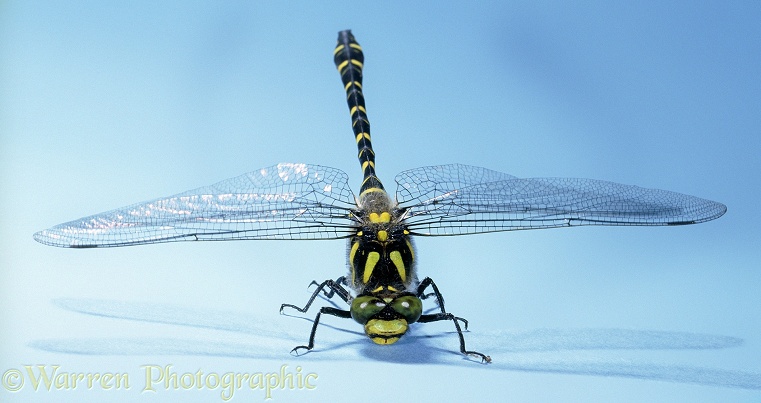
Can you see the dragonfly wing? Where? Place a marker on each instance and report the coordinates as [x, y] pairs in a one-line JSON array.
[[425, 185], [285, 201], [466, 200]]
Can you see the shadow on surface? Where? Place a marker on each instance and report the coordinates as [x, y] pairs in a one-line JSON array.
[[541, 350]]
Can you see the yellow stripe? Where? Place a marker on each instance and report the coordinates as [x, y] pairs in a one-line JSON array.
[[354, 123], [350, 83], [355, 46], [384, 287], [362, 135], [342, 65], [339, 48], [396, 257], [353, 109], [363, 150], [357, 63], [366, 163], [372, 260], [371, 190], [409, 246], [367, 179], [353, 252]]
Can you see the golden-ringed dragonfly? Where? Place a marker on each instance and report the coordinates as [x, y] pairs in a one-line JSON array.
[[303, 201]]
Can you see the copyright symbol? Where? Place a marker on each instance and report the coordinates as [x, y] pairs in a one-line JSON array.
[[13, 380]]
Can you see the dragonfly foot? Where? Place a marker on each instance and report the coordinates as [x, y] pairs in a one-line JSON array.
[[295, 350], [485, 359], [288, 306]]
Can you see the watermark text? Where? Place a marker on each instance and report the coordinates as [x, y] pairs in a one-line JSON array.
[[158, 379]]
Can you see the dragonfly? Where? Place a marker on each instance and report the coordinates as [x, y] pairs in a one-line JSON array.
[[297, 201]]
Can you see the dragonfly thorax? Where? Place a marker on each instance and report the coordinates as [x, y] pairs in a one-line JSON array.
[[381, 257]]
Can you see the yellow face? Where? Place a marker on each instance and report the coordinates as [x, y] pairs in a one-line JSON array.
[[385, 331], [386, 319]]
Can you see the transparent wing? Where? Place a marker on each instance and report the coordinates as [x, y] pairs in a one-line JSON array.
[[460, 199], [285, 201]]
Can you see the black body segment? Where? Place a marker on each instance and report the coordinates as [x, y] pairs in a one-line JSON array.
[[350, 60]]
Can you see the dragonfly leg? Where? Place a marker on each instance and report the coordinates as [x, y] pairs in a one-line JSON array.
[[444, 315], [439, 298], [335, 287], [338, 283], [448, 316], [326, 310]]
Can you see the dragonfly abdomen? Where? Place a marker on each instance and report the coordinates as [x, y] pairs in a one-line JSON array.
[[349, 60]]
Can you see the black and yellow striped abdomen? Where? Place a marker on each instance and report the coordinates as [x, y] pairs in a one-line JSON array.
[[349, 61]]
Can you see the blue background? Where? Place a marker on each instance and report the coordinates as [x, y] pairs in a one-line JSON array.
[[107, 104]]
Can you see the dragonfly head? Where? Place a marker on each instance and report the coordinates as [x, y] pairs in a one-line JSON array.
[[386, 319]]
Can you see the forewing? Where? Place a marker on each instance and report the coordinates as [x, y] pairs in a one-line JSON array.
[[285, 201], [460, 199]]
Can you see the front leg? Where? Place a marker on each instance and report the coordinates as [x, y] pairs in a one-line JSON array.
[[335, 287], [341, 281], [439, 298], [422, 295], [444, 315]]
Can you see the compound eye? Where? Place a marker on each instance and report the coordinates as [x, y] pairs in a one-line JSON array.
[[410, 307], [363, 308]]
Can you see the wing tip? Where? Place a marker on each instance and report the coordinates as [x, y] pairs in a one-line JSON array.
[[44, 237]]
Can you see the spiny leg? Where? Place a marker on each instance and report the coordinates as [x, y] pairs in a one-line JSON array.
[[335, 288], [448, 316], [341, 281], [444, 315], [439, 298], [421, 291], [327, 310]]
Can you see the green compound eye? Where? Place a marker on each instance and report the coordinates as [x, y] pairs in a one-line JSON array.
[[365, 307], [409, 307]]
